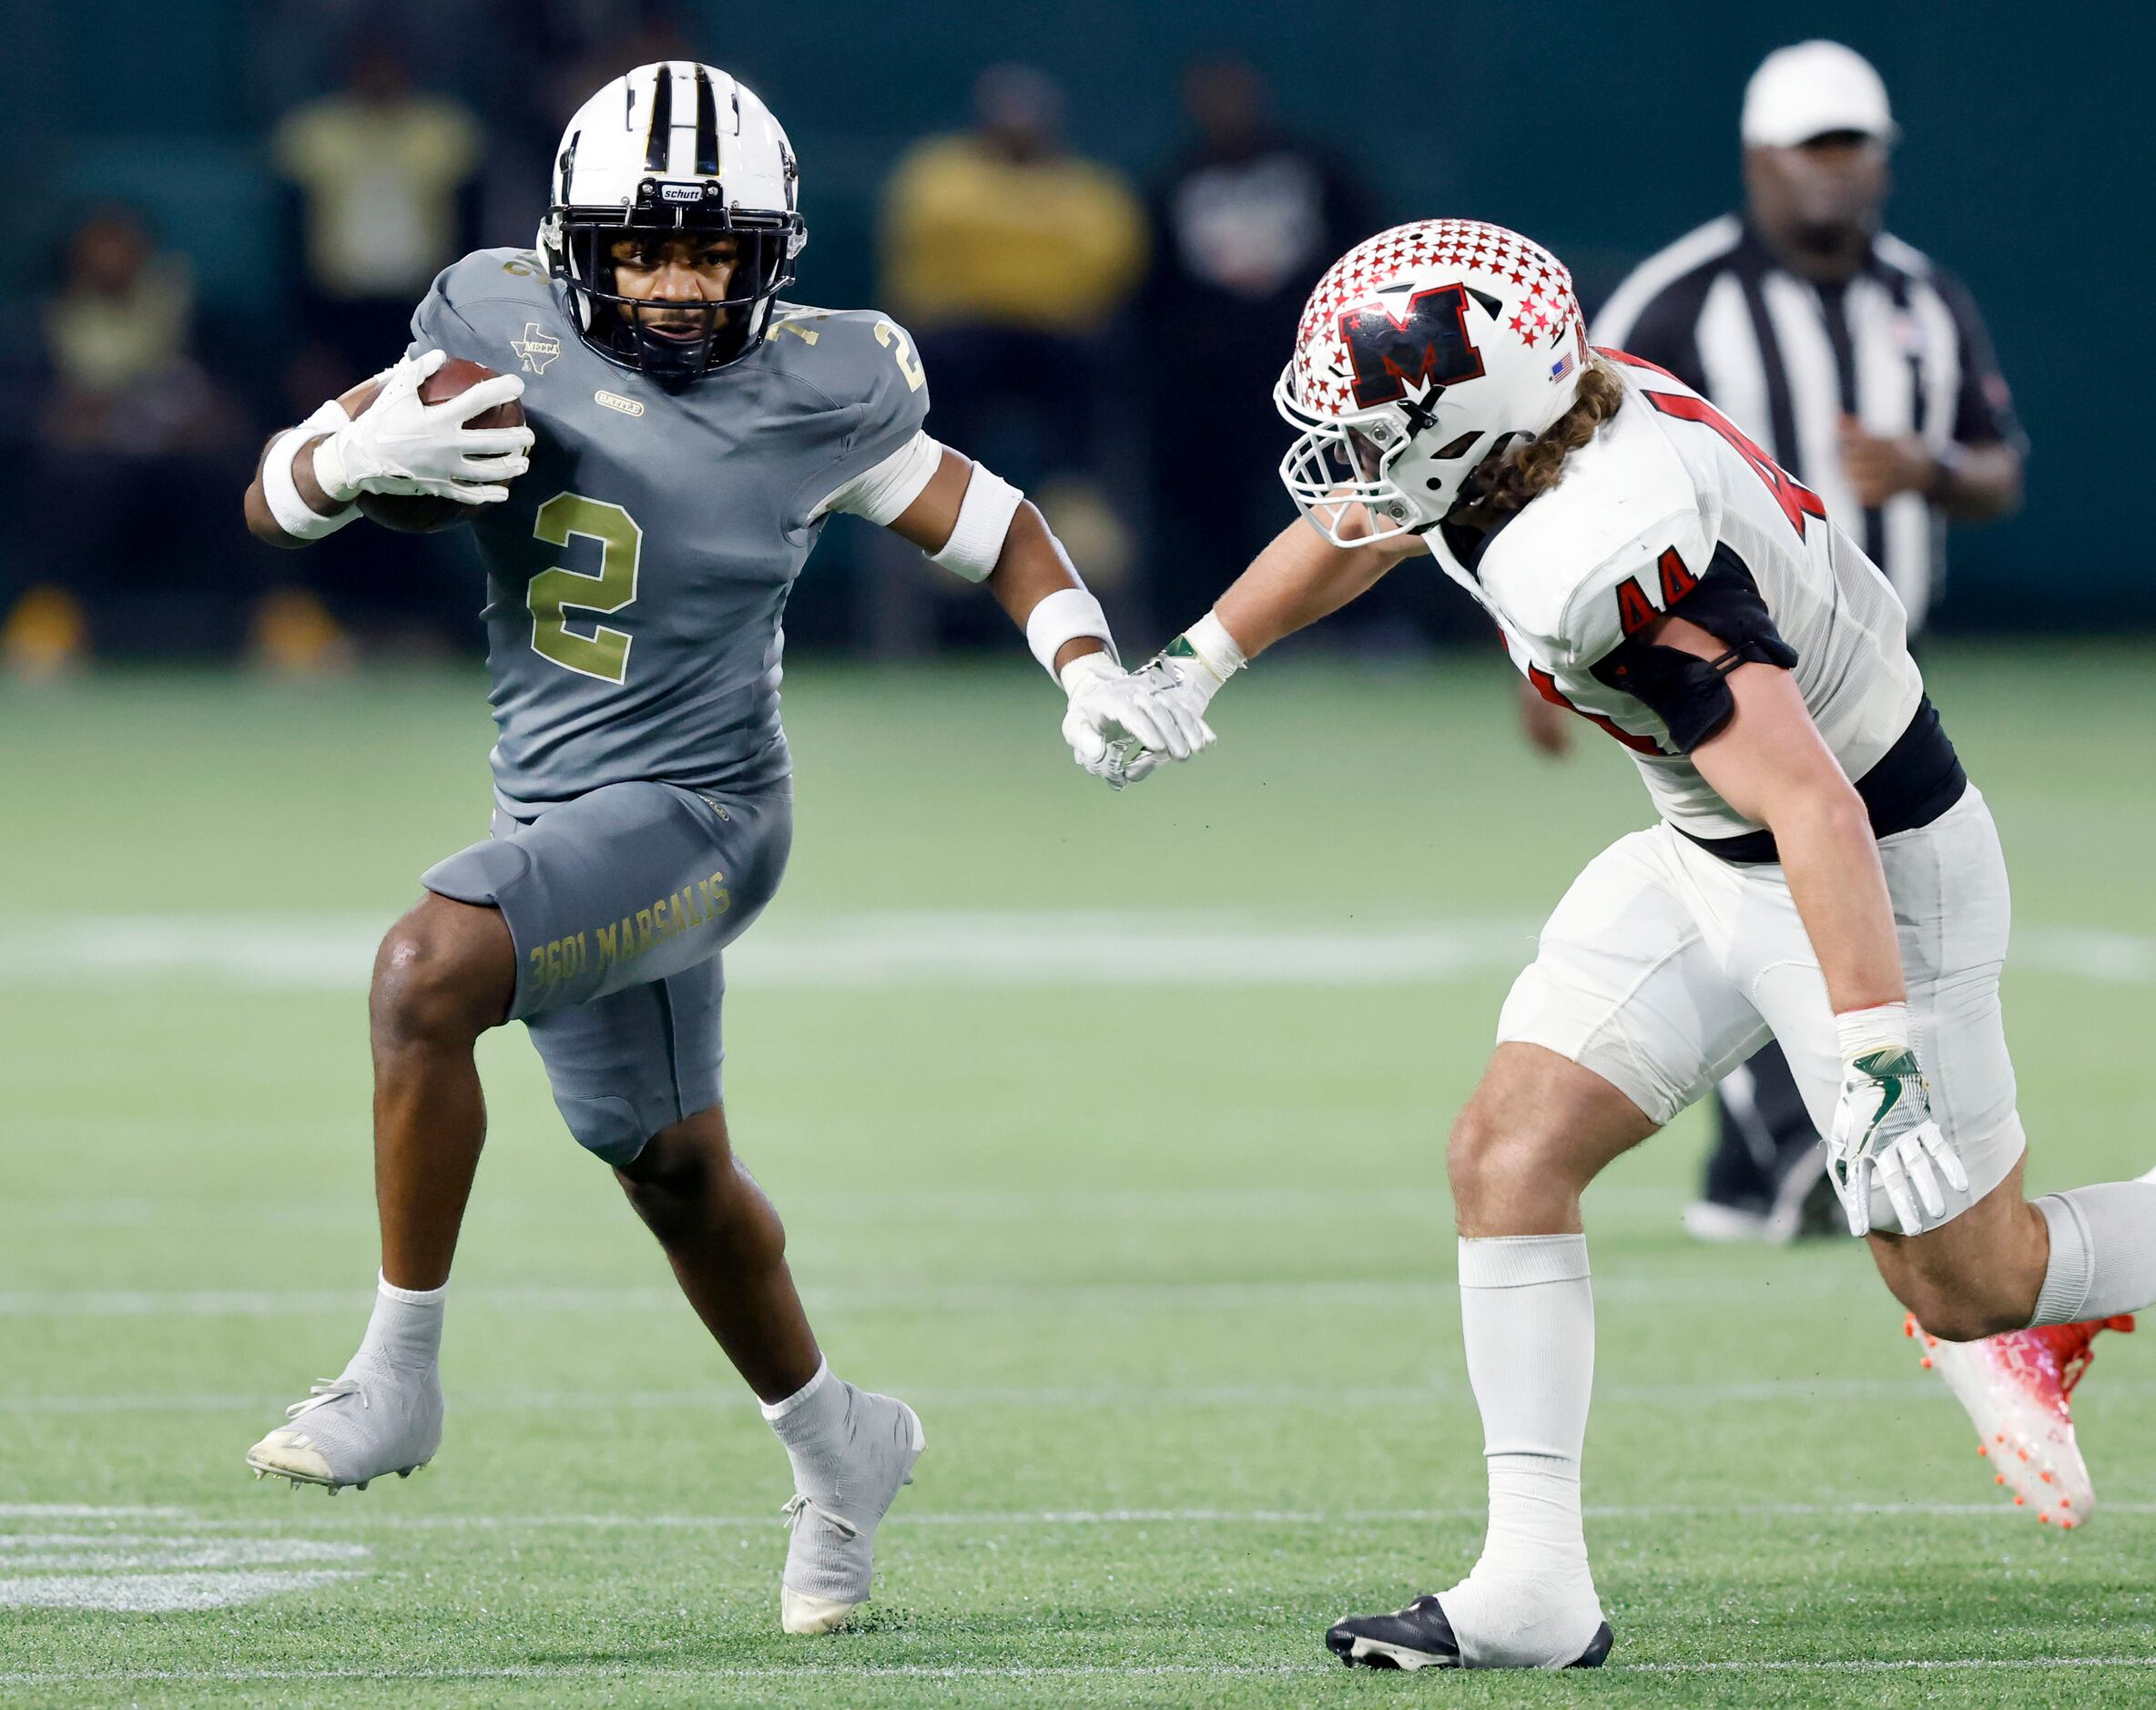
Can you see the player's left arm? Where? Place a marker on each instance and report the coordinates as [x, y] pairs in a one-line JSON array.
[[971, 520], [1767, 760], [1030, 563]]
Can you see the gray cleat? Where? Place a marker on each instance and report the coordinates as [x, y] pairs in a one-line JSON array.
[[375, 1419], [832, 1557]]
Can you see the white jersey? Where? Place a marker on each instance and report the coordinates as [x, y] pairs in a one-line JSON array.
[[1670, 495]]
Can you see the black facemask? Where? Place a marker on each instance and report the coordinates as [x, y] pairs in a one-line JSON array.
[[728, 328]]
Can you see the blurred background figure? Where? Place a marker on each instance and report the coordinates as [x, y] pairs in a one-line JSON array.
[[381, 169], [1244, 220], [1008, 254], [1863, 368], [134, 447], [317, 161], [384, 181]]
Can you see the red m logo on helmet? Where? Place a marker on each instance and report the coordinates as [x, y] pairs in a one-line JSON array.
[[1429, 345]]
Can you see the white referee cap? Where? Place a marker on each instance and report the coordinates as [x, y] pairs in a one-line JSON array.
[[1811, 89]]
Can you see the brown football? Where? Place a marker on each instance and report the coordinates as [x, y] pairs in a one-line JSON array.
[[415, 514]]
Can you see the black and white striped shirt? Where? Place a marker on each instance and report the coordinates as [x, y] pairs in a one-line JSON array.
[[1900, 347]]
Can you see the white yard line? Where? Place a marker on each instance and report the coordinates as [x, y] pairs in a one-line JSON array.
[[906, 950], [88, 1553], [153, 1560], [156, 1593]]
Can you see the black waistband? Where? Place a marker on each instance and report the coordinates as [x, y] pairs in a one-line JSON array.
[[1914, 781]]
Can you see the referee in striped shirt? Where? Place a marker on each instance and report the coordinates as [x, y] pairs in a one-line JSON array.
[[1864, 369]]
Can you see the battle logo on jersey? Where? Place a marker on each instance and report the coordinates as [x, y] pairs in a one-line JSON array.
[[536, 348], [1428, 346]]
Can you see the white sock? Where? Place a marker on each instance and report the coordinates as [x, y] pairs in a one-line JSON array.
[[1527, 1308], [406, 1328], [2103, 1252], [811, 1423]]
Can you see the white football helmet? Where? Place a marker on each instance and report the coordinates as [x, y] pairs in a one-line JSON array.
[[667, 148], [1420, 351]]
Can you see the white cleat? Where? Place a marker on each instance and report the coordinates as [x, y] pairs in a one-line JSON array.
[[2014, 1389], [353, 1429], [830, 1559]]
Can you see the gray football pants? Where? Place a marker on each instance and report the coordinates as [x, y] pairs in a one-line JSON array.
[[619, 903]]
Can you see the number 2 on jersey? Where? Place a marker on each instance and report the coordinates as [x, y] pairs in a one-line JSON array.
[[909, 363], [553, 594]]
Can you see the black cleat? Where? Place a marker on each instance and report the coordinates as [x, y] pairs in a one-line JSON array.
[[1420, 1637], [1417, 1636]]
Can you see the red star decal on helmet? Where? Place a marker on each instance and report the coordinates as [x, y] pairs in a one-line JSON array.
[[1533, 288]]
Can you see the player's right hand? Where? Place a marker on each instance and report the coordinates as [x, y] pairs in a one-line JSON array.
[[1883, 1135], [399, 444], [1119, 725]]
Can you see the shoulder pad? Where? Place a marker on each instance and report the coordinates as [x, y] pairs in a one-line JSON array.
[[1583, 566], [487, 275], [480, 305], [861, 361]]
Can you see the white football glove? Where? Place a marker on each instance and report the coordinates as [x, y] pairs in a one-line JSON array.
[[400, 445], [1884, 1134], [1119, 725]]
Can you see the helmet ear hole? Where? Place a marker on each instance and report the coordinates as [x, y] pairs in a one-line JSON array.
[[1456, 448]]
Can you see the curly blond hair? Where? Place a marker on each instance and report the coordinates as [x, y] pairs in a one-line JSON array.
[[1529, 468]]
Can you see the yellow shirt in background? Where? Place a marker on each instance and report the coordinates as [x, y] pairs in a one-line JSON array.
[[107, 343], [380, 184], [973, 237]]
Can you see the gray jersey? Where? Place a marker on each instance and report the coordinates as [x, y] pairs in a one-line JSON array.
[[638, 575]]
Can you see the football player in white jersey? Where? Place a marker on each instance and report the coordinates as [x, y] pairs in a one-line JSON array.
[[1822, 871]]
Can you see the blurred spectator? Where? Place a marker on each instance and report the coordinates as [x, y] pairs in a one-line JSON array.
[[1246, 219], [1005, 254], [379, 166], [544, 58], [135, 460]]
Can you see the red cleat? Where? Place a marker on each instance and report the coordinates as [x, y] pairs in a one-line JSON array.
[[2015, 1387]]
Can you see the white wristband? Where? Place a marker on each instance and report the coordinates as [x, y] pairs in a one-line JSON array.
[[1215, 648], [1064, 616], [293, 515], [983, 519], [1884, 1026]]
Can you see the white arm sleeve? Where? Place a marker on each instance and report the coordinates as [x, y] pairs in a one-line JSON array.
[[881, 494]]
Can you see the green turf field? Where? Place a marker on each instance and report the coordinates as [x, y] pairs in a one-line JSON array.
[[1108, 1132]]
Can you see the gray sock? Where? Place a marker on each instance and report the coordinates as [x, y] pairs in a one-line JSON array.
[[2103, 1252], [406, 1329]]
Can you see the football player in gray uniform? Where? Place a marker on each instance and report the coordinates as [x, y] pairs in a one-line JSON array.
[[688, 431]]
